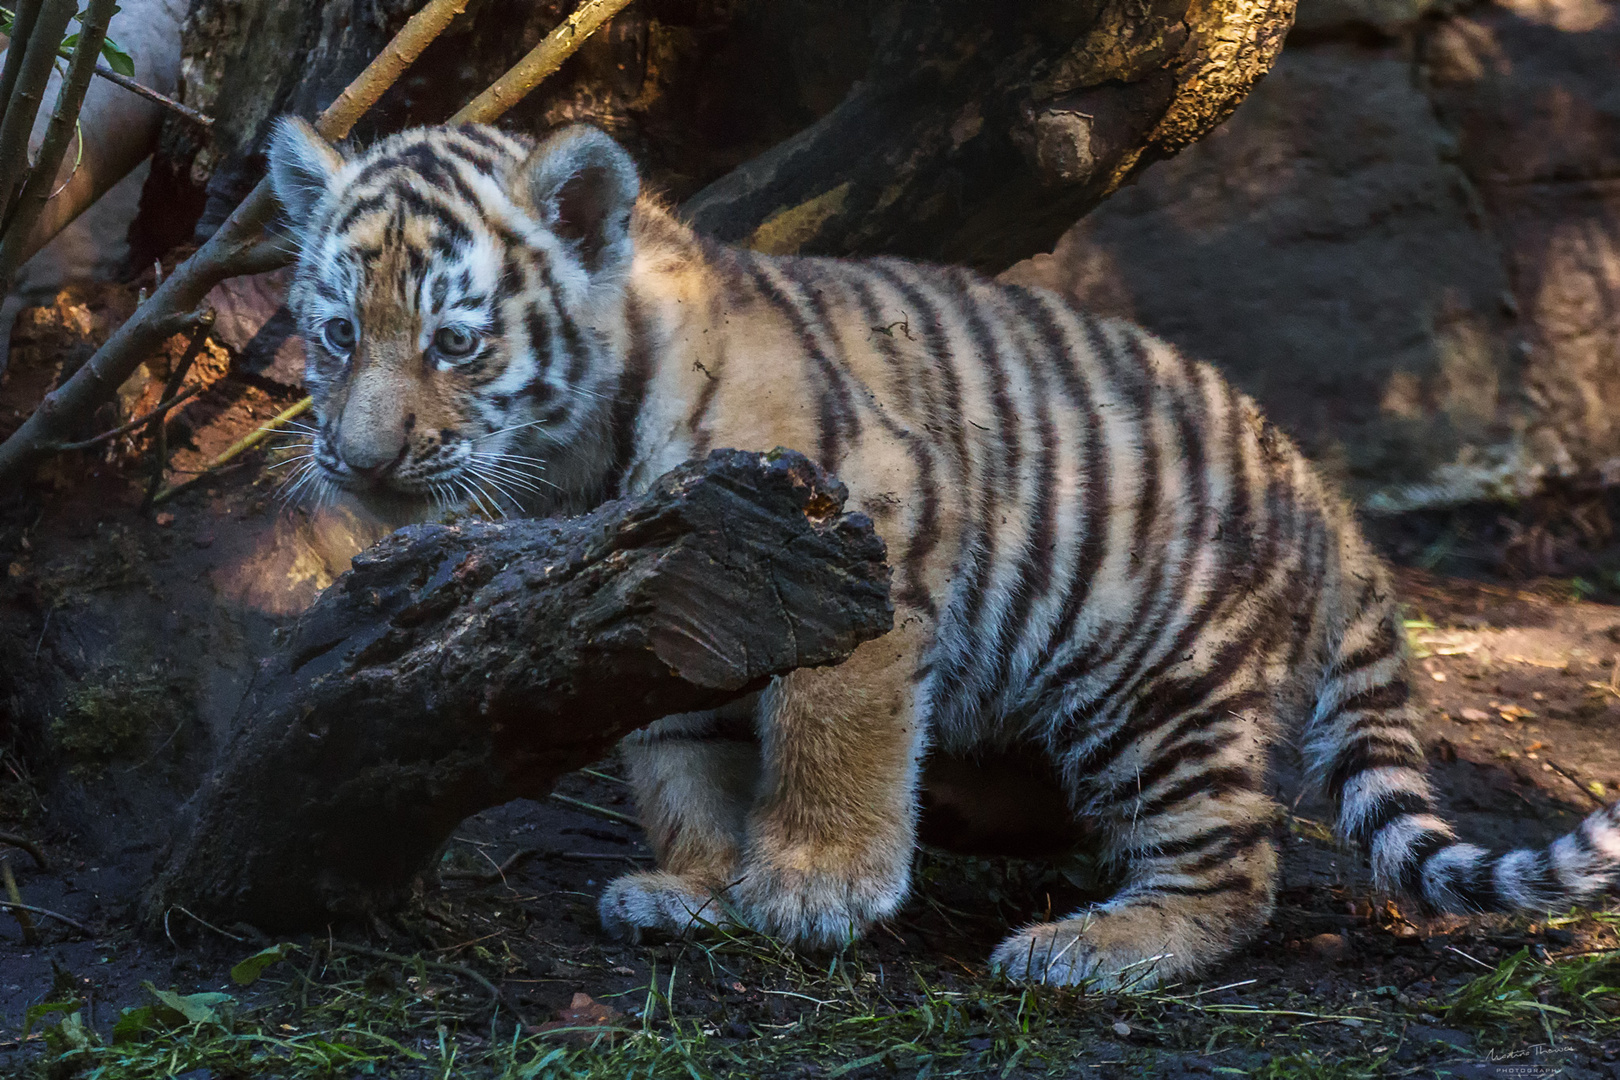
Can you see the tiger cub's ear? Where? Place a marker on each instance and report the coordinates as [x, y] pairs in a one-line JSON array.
[[302, 165], [582, 185]]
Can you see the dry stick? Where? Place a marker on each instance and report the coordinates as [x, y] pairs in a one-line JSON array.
[[542, 60], [49, 914], [1567, 775], [21, 28], [33, 73], [238, 448], [158, 430], [599, 811], [123, 429], [33, 849], [219, 258], [19, 910], [58, 134], [152, 95]]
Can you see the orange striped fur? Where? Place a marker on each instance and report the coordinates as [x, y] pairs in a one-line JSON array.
[[1103, 554]]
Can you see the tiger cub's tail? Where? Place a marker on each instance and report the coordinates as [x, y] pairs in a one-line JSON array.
[[1361, 743]]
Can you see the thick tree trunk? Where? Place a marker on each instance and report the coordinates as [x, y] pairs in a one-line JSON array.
[[951, 129], [456, 668]]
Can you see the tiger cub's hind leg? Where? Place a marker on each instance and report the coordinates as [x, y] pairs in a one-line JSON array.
[[1192, 834], [695, 777]]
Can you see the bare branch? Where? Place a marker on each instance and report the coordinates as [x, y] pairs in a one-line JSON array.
[[145, 418], [239, 447], [21, 28], [542, 60], [48, 913], [150, 94], [33, 73], [36, 852], [58, 133], [399, 54]]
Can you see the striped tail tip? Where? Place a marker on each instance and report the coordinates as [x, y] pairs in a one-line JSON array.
[[1417, 855]]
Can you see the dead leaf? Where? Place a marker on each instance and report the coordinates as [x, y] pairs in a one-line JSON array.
[[584, 1021]]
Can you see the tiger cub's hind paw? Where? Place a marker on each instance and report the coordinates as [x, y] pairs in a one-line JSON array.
[[1079, 952], [658, 905]]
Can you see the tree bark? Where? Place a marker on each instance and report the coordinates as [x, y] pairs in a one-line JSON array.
[[949, 129], [456, 668]]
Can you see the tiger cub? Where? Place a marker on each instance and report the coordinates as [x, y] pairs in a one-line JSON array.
[[1103, 555]]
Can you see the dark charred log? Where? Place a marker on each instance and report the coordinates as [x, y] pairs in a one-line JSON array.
[[458, 667]]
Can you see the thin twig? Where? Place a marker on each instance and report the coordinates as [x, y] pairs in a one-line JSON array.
[[47, 912], [33, 74], [238, 448], [158, 430], [59, 133], [542, 60], [33, 849], [152, 95], [30, 936], [605, 776], [598, 856], [1470, 959], [599, 811], [209, 925], [124, 429], [22, 27], [1567, 775], [494, 992], [497, 874]]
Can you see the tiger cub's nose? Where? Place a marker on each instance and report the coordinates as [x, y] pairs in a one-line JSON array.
[[373, 454]]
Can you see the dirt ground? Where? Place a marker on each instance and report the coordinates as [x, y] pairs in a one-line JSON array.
[[112, 619]]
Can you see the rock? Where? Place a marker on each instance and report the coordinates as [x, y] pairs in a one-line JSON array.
[[1530, 88], [252, 320], [1329, 946], [1324, 255], [1418, 280]]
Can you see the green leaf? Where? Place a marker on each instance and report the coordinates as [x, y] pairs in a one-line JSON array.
[[44, 1009], [70, 1035], [117, 59], [248, 971], [134, 1025], [190, 1008]]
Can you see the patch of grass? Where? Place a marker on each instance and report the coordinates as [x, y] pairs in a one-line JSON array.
[[1524, 991], [113, 716], [1308, 1066]]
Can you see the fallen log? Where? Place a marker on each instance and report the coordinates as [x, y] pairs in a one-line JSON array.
[[455, 668]]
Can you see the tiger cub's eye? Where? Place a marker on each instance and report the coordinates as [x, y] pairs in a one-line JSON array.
[[455, 342], [338, 335]]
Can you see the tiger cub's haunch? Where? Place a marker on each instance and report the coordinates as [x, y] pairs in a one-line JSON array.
[[1102, 553]]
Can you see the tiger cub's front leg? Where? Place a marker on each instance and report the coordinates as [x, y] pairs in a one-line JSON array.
[[825, 847]]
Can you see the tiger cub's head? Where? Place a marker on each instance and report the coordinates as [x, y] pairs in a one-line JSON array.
[[458, 292]]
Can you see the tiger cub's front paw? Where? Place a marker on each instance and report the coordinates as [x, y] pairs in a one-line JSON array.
[[657, 903], [815, 909]]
